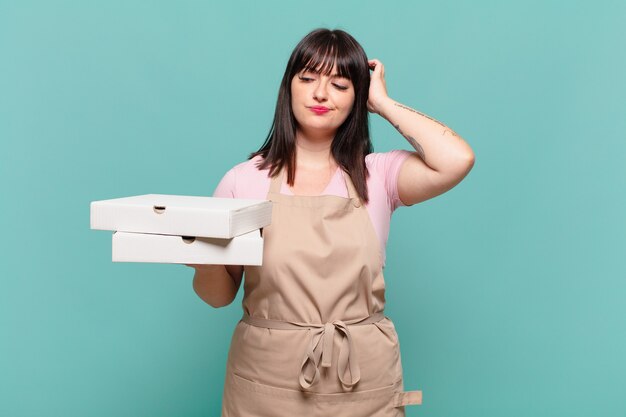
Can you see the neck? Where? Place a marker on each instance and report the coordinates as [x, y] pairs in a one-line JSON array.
[[314, 151]]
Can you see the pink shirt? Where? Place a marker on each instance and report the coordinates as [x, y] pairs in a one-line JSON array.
[[246, 181]]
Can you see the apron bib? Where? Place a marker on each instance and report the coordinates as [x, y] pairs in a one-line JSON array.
[[314, 340]]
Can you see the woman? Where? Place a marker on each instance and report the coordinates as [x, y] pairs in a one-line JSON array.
[[314, 340]]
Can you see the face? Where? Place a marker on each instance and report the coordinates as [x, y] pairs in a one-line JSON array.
[[321, 102]]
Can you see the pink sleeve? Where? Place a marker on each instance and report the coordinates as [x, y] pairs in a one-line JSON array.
[[387, 165], [226, 187]]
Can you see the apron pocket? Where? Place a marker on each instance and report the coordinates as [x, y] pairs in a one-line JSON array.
[[387, 327]]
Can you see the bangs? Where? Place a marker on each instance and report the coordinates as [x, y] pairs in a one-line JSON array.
[[322, 59]]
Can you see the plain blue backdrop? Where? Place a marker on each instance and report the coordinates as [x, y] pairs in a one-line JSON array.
[[507, 292]]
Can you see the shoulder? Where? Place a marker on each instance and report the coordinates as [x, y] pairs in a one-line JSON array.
[[382, 160], [384, 168], [247, 168], [243, 180], [386, 164]]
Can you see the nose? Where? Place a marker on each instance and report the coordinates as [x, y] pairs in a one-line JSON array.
[[320, 93]]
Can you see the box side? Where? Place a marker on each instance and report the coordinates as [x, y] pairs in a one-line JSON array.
[[251, 218], [159, 219], [141, 247], [93, 221]]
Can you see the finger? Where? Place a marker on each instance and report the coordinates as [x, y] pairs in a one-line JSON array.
[[381, 69], [376, 68], [377, 65]]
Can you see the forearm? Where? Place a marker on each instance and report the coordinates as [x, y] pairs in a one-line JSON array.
[[214, 285], [438, 145]]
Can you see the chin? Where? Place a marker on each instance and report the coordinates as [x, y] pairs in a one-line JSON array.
[[320, 126]]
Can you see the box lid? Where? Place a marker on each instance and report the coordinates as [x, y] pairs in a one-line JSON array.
[[181, 215]]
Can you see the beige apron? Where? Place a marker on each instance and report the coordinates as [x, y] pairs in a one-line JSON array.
[[313, 340]]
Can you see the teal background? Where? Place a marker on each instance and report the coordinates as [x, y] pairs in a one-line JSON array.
[[507, 292]]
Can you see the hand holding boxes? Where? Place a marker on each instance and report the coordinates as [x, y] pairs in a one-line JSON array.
[[184, 229]]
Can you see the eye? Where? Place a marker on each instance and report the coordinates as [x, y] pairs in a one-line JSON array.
[[305, 79], [341, 87]]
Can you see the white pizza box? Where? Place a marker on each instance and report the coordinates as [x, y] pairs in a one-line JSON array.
[[181, 215], [246, 249]]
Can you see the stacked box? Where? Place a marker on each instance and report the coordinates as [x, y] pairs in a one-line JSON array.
[[184, 229]]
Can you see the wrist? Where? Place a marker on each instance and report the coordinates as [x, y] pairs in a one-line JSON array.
[[385, 106]]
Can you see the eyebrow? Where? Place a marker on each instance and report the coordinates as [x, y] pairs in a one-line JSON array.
[[335, 75]]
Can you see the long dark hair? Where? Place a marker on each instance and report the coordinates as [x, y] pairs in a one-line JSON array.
[[318, 52]]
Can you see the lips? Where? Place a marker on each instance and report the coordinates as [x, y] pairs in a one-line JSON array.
[[319, 109]]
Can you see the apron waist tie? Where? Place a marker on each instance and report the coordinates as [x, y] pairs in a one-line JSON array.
[[321, 346]]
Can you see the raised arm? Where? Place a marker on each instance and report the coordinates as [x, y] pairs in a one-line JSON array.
[[441, 158]]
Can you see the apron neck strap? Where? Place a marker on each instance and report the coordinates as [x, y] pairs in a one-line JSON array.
[[349, 185], [277, 182]]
